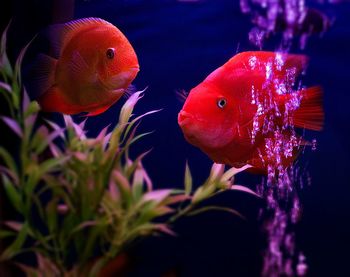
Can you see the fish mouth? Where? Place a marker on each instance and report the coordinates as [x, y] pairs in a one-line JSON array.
[[186, 122], [184, 118], [199, 132], [123, 79]]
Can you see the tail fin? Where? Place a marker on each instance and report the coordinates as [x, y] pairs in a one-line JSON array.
[[310, 114]]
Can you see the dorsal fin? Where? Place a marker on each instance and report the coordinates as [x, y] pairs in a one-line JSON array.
[[259, 61], [278, 71], [60, 34]]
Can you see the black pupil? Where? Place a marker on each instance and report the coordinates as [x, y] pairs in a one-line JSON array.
[[110, 53], [222, 103]]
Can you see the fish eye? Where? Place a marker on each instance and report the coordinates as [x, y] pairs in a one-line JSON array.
[[221, 103], [110, 53]]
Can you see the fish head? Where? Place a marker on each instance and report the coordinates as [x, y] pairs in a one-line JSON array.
[[207, 118], [117, 64]]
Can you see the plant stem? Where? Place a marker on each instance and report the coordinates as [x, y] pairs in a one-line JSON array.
[[181, 213]]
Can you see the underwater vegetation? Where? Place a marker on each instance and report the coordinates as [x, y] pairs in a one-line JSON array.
[[80, 200]]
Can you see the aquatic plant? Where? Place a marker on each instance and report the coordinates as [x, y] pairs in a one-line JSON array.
[[80, 201]]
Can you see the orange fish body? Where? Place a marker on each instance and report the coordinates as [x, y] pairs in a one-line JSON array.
[[233, 115], [93, 66]]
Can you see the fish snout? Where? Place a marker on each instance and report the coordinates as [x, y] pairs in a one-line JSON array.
[[184, 118]]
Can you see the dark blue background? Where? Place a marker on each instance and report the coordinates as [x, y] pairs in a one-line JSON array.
[[178, 44]]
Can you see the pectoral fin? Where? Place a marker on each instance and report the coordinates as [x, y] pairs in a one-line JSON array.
[[41, 75], [77, 65]]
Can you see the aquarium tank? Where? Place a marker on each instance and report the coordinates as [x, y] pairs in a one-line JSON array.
[[174, 138]]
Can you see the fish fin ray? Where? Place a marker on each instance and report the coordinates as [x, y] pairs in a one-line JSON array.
[[41, 76], [310, 113], [181, 95], [129, 91], [78, 65], [286, 61]]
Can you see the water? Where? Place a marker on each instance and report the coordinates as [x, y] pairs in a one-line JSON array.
[[178, 44], [291, 18]]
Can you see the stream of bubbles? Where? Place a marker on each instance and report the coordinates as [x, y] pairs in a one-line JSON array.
[[280, 188]]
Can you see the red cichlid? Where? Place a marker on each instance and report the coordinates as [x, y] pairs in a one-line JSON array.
[[93, 66], [225, 114]]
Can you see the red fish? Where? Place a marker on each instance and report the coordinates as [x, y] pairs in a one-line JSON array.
[[94, 64], [235, 113]]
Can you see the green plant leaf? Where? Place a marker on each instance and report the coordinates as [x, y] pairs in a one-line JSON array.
[[13, 194], [93, 238], [123, 186], [44, 142], [244, 189], [202, 193], [51, 215], [4, 61], [39, 206], [98, 265], [128, 107], [14, 225], [133, 140], [5, 87], [13, 125], [51, 165], [16, 246], [216, 172], [32, 108], [84, 225], [149, 211], [17, 73], [188, 180], [29, 271], [9, 161], [46, 266], [6, 234], [135, 120], [137, 184], [215, 208], [233, 171]]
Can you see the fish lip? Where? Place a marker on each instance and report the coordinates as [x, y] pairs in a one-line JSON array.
[[184, 118]]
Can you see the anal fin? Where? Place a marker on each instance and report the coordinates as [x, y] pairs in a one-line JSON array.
[[54, 101]]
